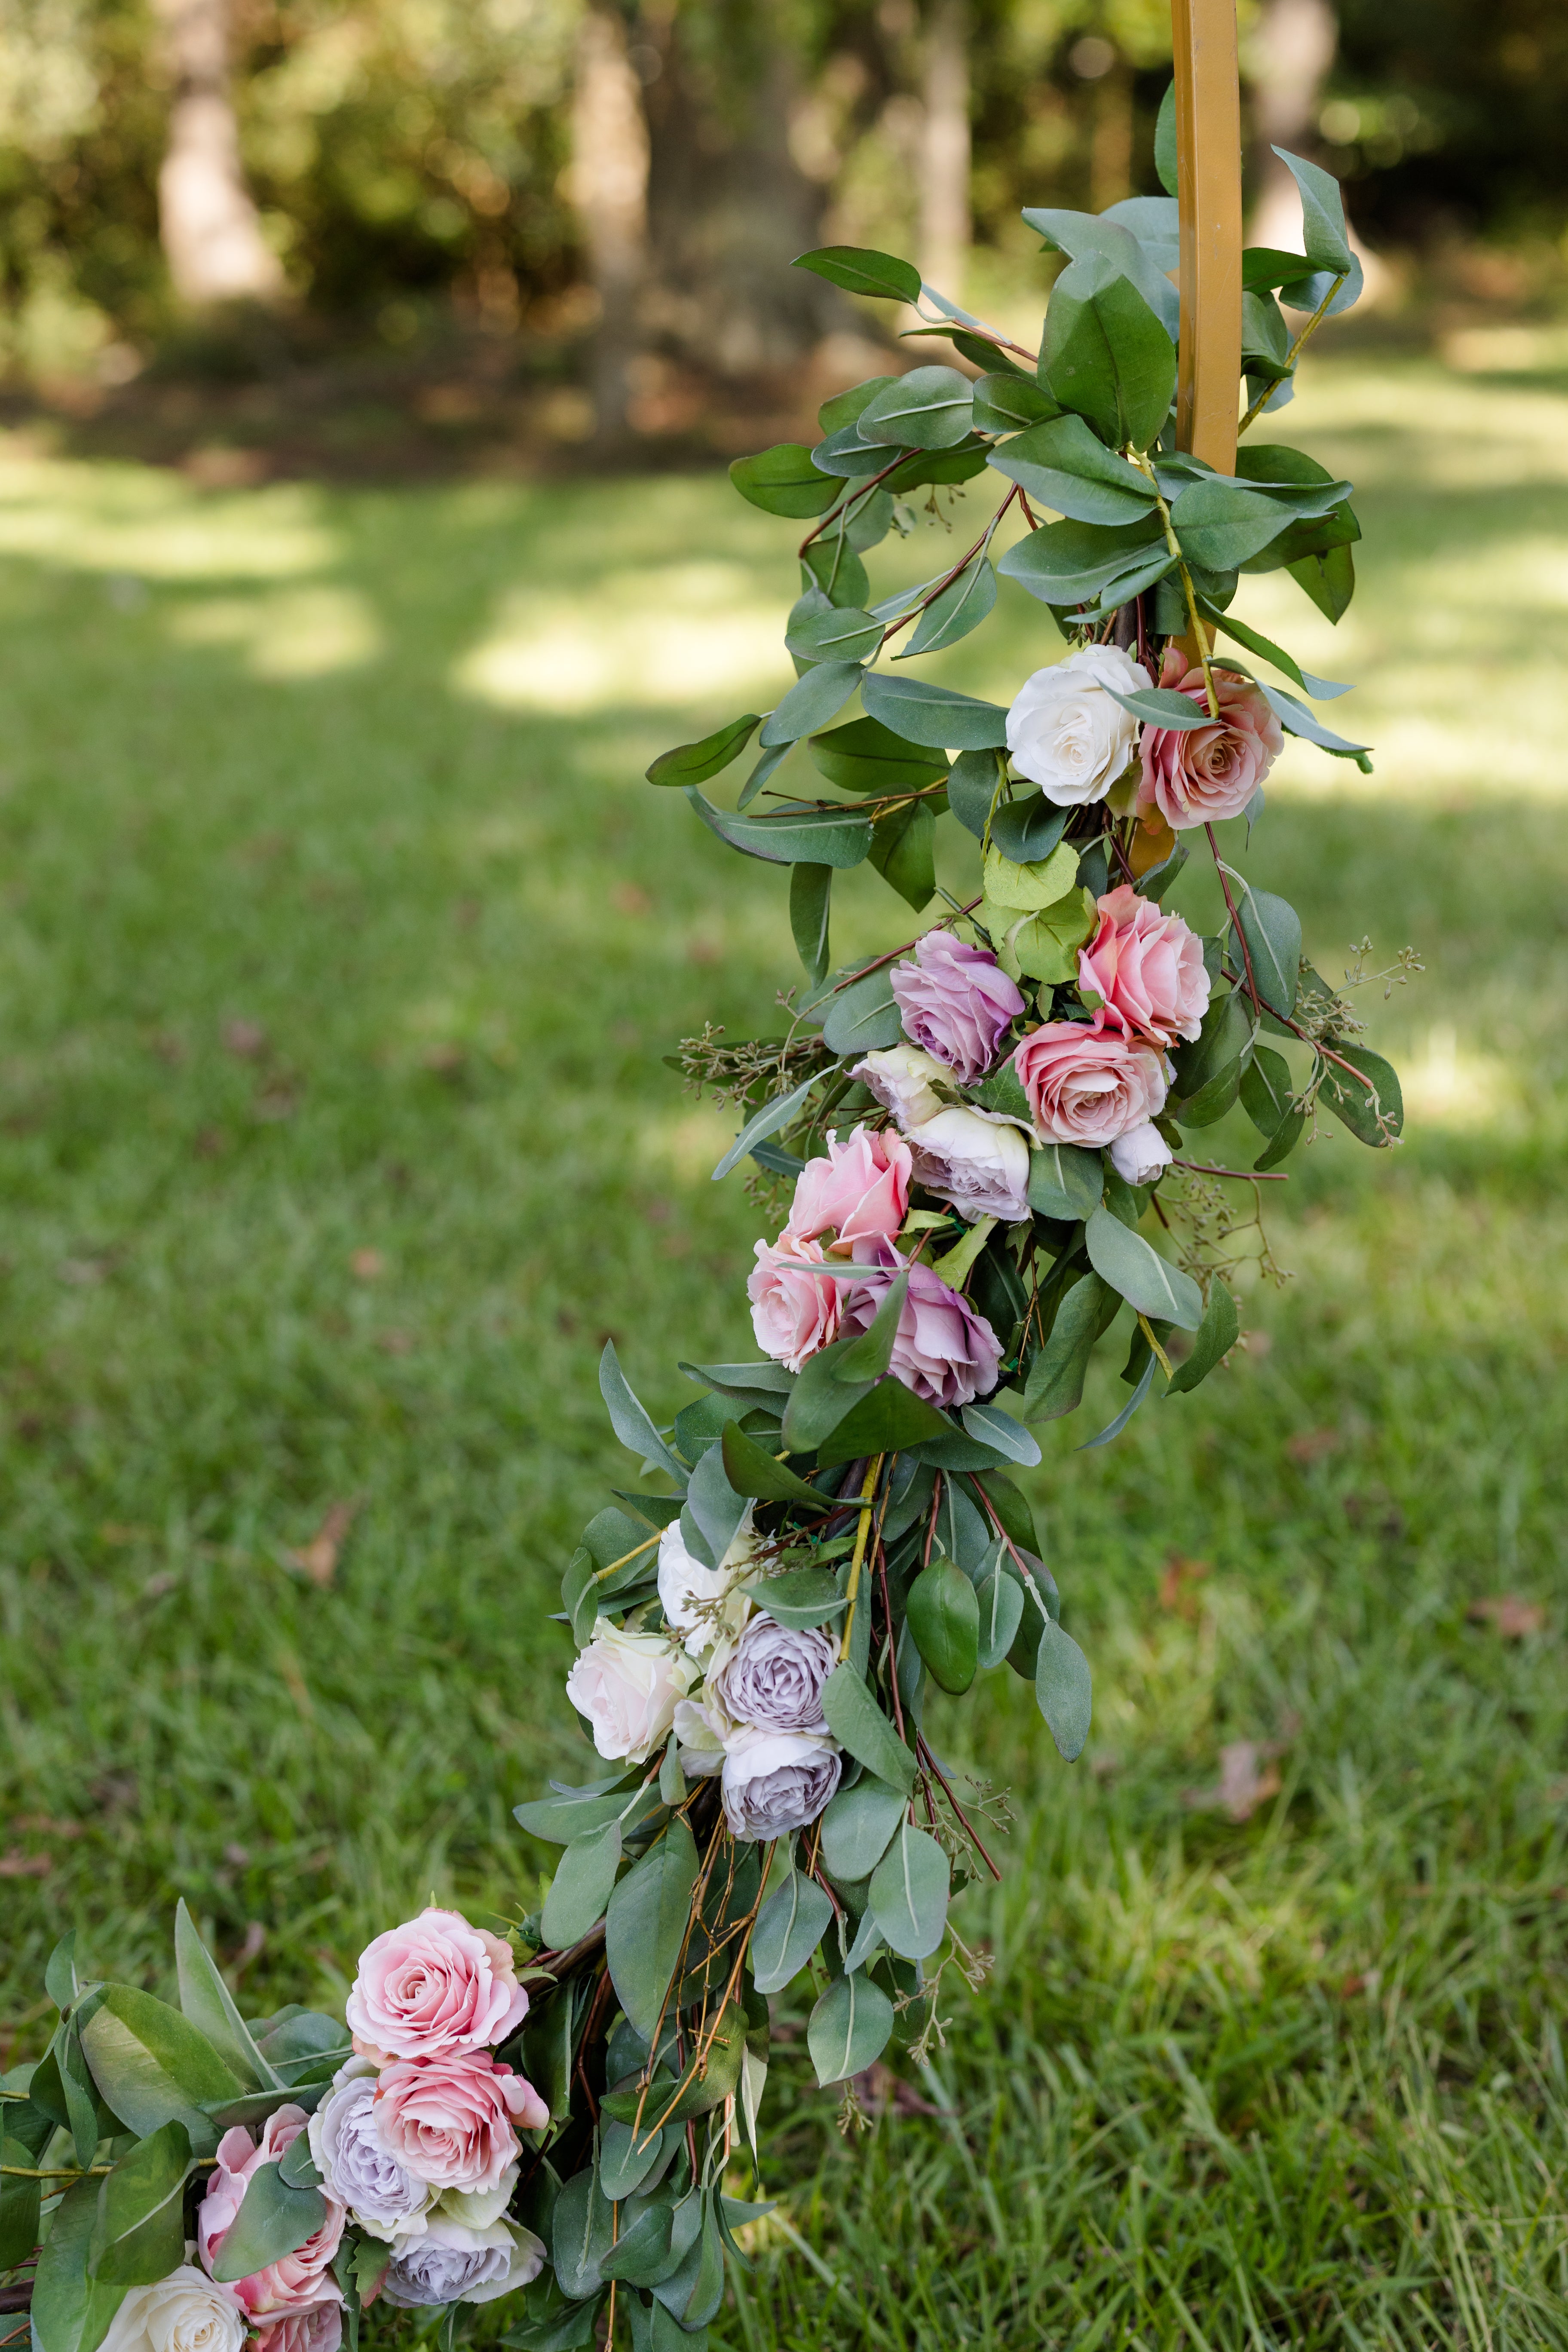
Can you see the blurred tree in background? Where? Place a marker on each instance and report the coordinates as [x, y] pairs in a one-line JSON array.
[[369, 167]]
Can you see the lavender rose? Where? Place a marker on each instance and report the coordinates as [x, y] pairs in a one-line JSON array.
[[777, 1781], [955, 1001], [773, 1678], [943, 1350], [453, 2263], [978, 1161], [356, 2165]]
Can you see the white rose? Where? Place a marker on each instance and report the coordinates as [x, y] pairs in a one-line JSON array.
[[1140, 1154], [186, 2312], [1064, 731], [701, 1731], [454, 2263], [698, 1603], [903, 1080], [776, 1781], [628, 1685], [977, 1161]]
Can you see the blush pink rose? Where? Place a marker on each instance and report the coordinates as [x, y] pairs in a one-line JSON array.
[[1196, 775], [795, 1312], [449, 2120], [433, 1987], [860, 1193], [1147, 968], [1088, 1085], [300, 2280], [319, 2328]]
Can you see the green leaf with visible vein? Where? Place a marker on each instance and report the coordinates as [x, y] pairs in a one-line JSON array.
[[1218, 1334], [645, 1924], [139, 2232], [861, 269], [273, 2220], [581, 1887], [693, 763], [1064, 1689], [909, 1892], [206, 2001], [857, 1723], [1147, 1281], [790, 1926], [849, 2027], [783, 481]]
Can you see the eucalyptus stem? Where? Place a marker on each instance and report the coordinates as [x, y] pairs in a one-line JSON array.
[[867, 1494], [1292, 355], [1174, 545]]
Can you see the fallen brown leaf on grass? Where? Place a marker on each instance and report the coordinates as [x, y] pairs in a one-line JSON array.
[[245, 1038], [366, 1264], [1248, 1778], [26, 1866], [319, 1559], [1177, 1579], [46, 1825], [1513, 1616], [1310, 1445]]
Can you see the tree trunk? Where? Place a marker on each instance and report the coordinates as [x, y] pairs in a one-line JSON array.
[[609, 189], [211, 233], [1291, 52], [944, 149], [728, 208]]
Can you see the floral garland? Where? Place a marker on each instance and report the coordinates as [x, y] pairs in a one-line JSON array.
[[986, 1139]]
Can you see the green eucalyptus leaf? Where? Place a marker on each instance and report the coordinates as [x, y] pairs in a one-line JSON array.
[[1066, 1183], [783, 481], [930, 408], [909, 1888], [793, 835], [814, 699], [860, 269], [1056, 1377], [1062, 465], [1218, 1334], [857, 1723], [790, 1926], [1005, 403], [646, 1923], [1071, 562], [206, 2001], [1107, 355], [1149, 1282], [776, 1112], [961, 607], [944, 1619], [582, 2232], [71, 2311], [835, 635], [693, 763], [139, 2234], [849, 2028], [863, 756], [1165, 164], [629, 1418], [1272, 930], [936, 716], [1063, 1689], [1323, 232], [750, 1469], [802, 1597], [152, 2067], [857, 1826], [1374, 1112], [903, 851], [1001, 1597], [1328, 578], [863, 1016], [890, 1419], [581, 1887]]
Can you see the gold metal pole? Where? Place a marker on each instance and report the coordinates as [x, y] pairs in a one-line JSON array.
[[1208, 178]]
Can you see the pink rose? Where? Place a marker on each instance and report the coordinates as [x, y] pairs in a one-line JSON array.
[[1147, 968], [955, 1001], [793, 1311], [449, 2120], [943, 1349], [433, 1987], [1088, 1085], [319, 2328], [300, 2280], [860, 1193], [1196, 775]]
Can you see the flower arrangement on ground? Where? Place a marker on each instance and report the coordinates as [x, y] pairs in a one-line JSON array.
[[986, 1138]]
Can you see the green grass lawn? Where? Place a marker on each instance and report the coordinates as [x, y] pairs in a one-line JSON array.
[[342, 943]]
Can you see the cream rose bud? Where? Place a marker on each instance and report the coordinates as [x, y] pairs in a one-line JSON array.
[[1140, 1154], [904, 1081], [976, 1161], [698, 1603], [627, 1685], [776, 1781], [700, 1734], [1064, 731], [186, 2312]]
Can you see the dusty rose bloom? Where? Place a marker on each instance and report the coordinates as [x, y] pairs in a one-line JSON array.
[[433, 1985], [955, 1001], [944, 1351], [1196, 775], [860, 1193], [793, 1311], [1088, 1085], [318, 2327], [1147, 968], [449, 2120], [297, 2281], [773, 1678]]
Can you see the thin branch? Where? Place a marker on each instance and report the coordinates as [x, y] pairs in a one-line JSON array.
[[1292, 355], [1242, 1175]]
